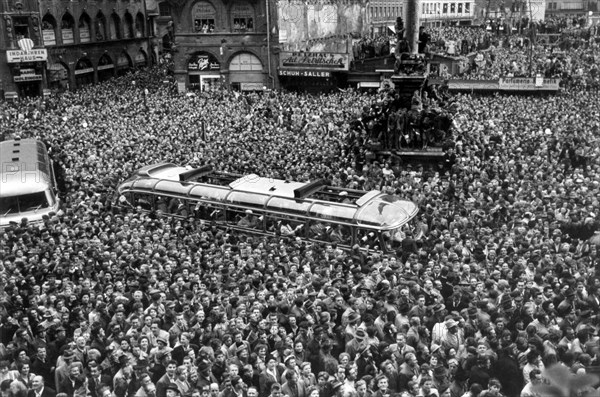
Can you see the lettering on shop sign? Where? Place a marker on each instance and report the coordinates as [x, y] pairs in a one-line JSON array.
[[33, 55], [314, 60], [304, 73]]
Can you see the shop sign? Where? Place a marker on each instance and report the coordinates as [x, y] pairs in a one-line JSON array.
[[104, 67], [84, 71], [203, 63], [523, 84], [34, 55], [314, 60], [252, 87], [305, 73], [28, 77]]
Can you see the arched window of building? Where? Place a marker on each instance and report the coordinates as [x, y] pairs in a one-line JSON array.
[[67, 26], [85, 35], [101, 27], [115, 26], [242, 17], [203, 17], [128, 26], [139, 25], [49, 30]]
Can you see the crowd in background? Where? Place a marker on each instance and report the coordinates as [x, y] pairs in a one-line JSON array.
[[102, 301]]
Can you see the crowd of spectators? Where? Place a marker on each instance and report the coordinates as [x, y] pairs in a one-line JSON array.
[[99, 301]]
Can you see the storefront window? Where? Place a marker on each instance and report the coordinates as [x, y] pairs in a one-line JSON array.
[[243, 18], [204, 15]]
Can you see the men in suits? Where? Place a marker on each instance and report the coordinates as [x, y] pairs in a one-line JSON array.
[[96, 380], [39, 389]]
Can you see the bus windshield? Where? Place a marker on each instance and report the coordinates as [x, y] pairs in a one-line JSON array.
[[24, 203], [392, 239]]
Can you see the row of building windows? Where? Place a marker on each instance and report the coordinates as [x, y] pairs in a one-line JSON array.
[[446, 8], [385, 12], [204, 18], [102, 28]]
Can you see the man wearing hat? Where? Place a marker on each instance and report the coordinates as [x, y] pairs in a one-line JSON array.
[[62, 370], [453, 338], [357, 344], [171, 390]]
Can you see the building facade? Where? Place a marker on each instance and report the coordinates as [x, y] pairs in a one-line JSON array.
[[76, 43], [452, 12], [224, 42]]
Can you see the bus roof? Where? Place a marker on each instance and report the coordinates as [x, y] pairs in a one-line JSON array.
[[369, 209], [25, 167]]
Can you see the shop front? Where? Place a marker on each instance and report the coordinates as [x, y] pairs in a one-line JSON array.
[[246, 73], [27, 66], [312, 71], [58, 77], [84, 72], [124, 64], [204, 71], [106, 68]]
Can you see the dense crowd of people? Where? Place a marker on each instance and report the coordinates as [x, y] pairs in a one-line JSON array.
[[102, 301]]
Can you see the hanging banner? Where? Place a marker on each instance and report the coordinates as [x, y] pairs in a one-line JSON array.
[[49, 37], [67, 36], [84, 35]]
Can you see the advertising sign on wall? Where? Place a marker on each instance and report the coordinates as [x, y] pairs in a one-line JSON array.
[[203, 62], [314, 60], [49, 37]]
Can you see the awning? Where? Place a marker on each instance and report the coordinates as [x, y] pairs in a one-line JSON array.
[[392, 28]]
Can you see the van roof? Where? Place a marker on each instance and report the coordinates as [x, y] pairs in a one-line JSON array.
[[25, 167]]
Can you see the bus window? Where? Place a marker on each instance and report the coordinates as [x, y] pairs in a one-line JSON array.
[[209, 212], [23, 203], [319, 231], [340, 234], [392, 239], [366, 237], [285, 226], [178, 207], [144, 201], [245, 218]]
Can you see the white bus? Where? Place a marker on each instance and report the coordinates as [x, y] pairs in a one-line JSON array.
[[27, 183], [312, 211]]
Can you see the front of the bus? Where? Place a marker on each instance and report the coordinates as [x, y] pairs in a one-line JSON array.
[[394, 218], [26, 195]]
